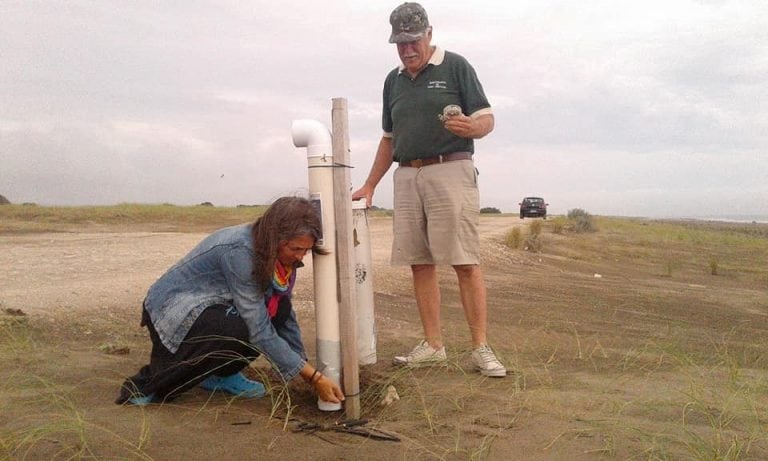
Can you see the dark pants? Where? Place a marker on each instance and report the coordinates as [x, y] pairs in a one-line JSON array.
[[217, 343]]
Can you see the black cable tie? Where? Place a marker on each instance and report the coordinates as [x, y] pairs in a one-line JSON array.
[[333, 165]]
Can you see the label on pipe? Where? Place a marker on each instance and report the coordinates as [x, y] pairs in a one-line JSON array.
[[317, 203]]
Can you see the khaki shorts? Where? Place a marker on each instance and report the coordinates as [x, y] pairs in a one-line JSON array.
[[437, 212]]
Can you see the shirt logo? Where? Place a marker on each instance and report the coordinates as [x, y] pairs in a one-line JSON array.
[[438, 84]]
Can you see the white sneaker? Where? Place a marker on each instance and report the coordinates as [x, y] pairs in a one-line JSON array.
[[423, 355], [487, 363]]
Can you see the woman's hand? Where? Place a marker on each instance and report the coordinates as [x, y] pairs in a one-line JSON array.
[[327, 390]]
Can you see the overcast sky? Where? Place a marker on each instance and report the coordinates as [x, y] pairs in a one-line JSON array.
[[656, 108]]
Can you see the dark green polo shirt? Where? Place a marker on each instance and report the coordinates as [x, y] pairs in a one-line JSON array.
[[411, 107]]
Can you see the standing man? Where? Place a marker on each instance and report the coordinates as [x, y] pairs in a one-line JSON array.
[[437, 204]]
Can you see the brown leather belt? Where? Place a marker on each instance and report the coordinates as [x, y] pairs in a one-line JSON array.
[[420, 162]]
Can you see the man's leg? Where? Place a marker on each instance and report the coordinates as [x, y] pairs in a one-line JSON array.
[[473, 299], [427, 293], [430, 350]]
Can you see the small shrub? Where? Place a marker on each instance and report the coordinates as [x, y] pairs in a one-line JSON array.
[[206, 204], [4, 201], [533, 242], [490, 210], [535, 228], [514, 238], [713, 265], [582, 221], [558, 225]]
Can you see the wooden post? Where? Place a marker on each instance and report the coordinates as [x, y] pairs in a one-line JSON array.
[[342, 200]]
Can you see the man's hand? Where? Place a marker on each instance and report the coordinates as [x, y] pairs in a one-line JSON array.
[[460, 125], [468, 127], [381, 165], [365, 192]]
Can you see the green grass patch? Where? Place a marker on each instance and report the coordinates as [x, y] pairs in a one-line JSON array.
[[127, 216], [672, 248]]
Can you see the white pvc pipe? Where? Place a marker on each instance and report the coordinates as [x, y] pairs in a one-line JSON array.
[[317, 139], [366, 325]]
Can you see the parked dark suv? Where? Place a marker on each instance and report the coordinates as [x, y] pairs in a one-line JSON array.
[[533, 207]]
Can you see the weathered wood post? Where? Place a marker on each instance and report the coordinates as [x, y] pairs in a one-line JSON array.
[[342, 197]]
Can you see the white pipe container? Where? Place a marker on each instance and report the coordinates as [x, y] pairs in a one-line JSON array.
[[366, 325], [317, 139]]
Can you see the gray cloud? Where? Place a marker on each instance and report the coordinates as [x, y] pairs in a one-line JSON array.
[[642, 109]]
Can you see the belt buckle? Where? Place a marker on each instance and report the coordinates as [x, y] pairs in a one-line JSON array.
[[418, 163]]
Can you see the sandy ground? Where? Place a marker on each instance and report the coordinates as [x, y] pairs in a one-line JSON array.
[[598, 364]]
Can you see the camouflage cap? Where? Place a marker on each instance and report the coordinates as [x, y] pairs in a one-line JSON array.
[[409, 23]]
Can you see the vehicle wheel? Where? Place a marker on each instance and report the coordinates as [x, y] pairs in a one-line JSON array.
[[521, 216]]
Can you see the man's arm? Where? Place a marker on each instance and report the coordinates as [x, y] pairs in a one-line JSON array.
[[381, 165], [470, 127]]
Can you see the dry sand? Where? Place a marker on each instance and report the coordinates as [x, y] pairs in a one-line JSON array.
[[598, 363]]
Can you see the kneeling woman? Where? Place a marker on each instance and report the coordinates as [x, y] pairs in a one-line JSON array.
[[224, 304]]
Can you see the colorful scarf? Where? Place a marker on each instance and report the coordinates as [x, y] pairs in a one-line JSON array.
[[282, 285]]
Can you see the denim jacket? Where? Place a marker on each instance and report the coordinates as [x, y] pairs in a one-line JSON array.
[[218, 271]]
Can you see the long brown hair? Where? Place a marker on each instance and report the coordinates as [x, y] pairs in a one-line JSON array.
[[286, 219]]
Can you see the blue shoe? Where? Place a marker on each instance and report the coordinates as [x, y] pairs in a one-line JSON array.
[[236, 384], [141, 400]]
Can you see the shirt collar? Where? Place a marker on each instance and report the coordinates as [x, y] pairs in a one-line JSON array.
[[437, 58]]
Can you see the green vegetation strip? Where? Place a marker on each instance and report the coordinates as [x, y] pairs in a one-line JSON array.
[[129, 217], [28, 219]]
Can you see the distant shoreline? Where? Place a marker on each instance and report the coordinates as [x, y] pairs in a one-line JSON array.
[[745, 219]]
